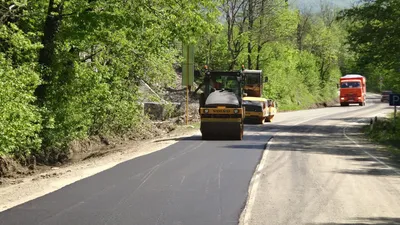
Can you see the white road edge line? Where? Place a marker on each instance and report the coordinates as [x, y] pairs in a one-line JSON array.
[[369, 154], [246, 213], [255, 180]]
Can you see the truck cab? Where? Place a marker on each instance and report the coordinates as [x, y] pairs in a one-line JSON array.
[[352, 90]]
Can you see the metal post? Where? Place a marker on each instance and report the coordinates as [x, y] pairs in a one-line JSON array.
[[394, 119], [187, 104], [187, 87]]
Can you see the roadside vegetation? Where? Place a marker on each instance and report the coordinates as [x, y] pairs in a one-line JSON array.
[[301, 51], [374, 37], [386, 132], [72, 69]]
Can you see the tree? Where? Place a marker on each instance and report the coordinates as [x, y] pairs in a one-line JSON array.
[[374, 36]]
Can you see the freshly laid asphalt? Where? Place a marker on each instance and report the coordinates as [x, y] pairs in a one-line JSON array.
[[191, 182]]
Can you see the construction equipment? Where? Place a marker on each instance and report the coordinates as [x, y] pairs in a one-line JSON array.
[[254, 82], [258, 109], [221, 110]]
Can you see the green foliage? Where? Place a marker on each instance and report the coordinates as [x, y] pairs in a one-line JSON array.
[[302, 53], [93, 55], [374, 31], [19, 119], [75, 70], [287, 66], [213, 51]]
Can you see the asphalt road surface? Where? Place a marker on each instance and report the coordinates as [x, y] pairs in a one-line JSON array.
[[321, 172], [313, 172]]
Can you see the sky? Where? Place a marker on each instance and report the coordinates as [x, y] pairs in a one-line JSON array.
[[314, 4]]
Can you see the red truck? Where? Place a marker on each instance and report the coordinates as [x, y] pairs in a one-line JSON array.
[[353, 90]]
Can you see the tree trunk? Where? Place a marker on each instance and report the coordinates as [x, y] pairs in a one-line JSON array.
[[46, 55], [258, 57], [259, 45], [251, 23]]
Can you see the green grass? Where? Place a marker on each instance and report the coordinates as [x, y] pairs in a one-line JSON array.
[[384, 132]]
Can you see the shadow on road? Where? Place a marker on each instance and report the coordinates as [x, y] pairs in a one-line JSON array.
[[367, 221], [374, 172], [314, 139], [329, 140]]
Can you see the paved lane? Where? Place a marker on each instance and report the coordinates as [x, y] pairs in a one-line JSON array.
[[319, 172], [207, 182], [191, 182]]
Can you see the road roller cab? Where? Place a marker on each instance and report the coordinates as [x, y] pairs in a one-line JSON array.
[[221, 110], [254, 82]]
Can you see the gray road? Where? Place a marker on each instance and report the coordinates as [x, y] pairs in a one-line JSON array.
[[321, 172], [191, 182], [206, 182]]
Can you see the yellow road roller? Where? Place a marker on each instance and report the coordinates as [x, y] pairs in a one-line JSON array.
[[221, 111], [259, 110]]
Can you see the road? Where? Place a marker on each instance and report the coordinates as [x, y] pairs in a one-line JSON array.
[[321, 172], [313, 171]]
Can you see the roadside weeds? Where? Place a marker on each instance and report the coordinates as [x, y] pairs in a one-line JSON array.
[[383, 131]]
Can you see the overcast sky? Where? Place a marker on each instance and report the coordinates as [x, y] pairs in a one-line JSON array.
[[314, 4]]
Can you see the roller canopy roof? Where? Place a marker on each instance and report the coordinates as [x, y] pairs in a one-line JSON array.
[[220, 97]]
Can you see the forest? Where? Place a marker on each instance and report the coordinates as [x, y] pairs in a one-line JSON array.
[[71, 69]]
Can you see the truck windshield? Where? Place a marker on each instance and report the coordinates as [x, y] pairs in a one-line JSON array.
[[252, 79], [350, 85]]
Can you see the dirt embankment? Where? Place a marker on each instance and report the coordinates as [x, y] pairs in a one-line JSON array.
[[13, 171], [24, 179], [23, 184]]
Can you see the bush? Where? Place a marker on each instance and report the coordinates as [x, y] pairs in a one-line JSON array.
[[288, 68], [19, 119]]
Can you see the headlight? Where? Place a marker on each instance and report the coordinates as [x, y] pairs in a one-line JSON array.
[[359, 97], [206, 111], [342, 98], [236, 111]]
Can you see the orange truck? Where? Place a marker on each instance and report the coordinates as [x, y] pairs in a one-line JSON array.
[[353, 90]]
